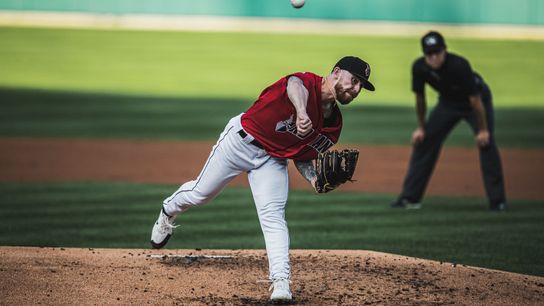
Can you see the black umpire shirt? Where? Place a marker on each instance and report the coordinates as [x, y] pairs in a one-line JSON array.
[[454, 81]]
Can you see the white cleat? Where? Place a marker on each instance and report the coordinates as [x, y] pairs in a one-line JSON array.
[[162, 230], [281, 290]]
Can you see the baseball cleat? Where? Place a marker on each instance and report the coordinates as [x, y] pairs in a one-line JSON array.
[[281, 290], [403, 203], [162, 230]]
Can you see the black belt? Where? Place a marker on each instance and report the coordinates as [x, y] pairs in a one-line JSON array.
[[254, 142]]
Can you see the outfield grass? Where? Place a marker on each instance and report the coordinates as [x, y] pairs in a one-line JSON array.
[[121, 215], [240, 65], [34, 113]]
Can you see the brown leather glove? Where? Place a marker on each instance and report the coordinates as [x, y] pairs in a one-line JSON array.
[[334, 168]]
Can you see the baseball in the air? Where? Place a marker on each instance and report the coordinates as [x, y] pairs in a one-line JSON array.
[[297, 3]]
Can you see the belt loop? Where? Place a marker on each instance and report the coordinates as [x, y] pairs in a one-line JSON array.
[[254, 142], [242, 133]]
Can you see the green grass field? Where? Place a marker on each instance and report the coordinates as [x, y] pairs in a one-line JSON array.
[[240, 65], [179, 85], [36, 113], [457, 230]]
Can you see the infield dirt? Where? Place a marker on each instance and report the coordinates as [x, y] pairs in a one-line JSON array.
[[58, 276], [380, 168]]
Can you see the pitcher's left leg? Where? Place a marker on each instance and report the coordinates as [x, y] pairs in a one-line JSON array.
[[269, 185]]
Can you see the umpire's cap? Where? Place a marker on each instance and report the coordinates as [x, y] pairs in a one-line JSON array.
[[432, 42], [358, 68]]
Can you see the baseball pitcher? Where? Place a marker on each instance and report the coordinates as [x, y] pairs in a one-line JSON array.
[[295, 118]]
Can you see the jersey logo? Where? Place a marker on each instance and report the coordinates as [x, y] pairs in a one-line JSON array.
[[289, 126], [286, 126], [321, 144]]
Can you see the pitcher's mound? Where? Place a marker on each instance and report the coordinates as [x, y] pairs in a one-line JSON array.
[[53, 276]]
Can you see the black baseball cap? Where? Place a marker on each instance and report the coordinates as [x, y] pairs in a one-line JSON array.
[[358, 68], [432, 42]]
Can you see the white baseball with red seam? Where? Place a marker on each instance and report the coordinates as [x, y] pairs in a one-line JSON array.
[[297, 3]]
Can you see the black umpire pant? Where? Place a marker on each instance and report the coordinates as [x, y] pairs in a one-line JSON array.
[[441, 121]]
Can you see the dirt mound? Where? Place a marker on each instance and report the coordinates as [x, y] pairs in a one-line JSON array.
[[380, 168], [66, 276]]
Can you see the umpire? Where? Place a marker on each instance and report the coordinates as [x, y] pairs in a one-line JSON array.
[[462, 95]]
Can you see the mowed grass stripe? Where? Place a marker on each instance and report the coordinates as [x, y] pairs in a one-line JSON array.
[[241, 65], [96, 214], [38, 113]]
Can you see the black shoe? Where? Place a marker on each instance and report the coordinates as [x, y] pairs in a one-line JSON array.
[[403, 203], [497, 206], [398, 203]]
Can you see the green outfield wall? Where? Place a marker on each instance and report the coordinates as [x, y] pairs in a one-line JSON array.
[[516, 12]]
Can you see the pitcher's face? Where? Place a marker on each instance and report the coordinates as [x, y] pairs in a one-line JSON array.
[[347, 87]]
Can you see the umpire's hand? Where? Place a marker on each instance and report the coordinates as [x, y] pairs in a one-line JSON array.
[[418, 136], [482, 138]]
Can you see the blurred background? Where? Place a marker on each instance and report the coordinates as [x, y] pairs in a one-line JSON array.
[[267, 39], [80, 72]]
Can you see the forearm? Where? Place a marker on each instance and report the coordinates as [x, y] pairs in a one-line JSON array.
[[298, 94], [307, 170], [421, 110], [479, 112]]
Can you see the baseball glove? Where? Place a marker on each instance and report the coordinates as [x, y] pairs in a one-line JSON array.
[[334, 168]]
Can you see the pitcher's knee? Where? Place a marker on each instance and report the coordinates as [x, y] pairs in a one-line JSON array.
[[189, 198], [273, 222], [196, 198]]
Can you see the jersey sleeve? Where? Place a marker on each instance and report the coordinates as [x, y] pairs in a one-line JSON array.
[[307, 79], [418, 77]]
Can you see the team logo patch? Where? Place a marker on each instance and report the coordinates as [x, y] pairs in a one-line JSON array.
[[430, 41], [367, 71]]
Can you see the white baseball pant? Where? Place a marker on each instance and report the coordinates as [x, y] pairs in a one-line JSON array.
[[269, 182]]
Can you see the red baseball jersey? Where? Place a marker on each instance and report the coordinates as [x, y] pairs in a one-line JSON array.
[[272, 121]]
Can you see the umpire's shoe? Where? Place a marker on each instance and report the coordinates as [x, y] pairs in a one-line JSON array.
[[162, 230], [403, 203], [497, 206], [281, 292]]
